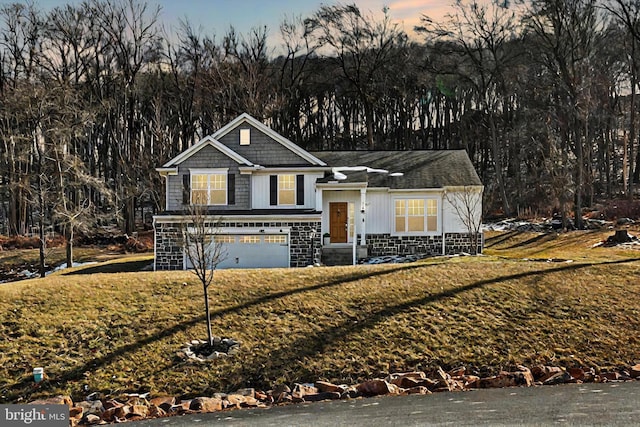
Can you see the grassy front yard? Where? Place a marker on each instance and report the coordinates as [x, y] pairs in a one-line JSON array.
[[96, 329]]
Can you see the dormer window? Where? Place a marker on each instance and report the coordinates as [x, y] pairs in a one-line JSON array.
[[245, 136]]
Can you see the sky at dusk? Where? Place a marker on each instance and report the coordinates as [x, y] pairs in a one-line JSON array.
[[216, 16]]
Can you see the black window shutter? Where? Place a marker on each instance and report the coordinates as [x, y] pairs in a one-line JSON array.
[[186, 190], [273, 190], [299, 189], [231, 189]]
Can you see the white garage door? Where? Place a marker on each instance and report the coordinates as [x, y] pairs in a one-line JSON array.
[[253, 250]]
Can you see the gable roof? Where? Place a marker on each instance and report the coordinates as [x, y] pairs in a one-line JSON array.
[[204, 142], [246, 118], [419, 168]]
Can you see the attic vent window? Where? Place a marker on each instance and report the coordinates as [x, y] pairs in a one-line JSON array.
[[245, 136]]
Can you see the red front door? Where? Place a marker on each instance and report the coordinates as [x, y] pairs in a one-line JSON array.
[[338, 222]]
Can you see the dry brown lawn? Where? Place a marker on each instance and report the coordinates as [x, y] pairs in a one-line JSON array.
[[98, 329]]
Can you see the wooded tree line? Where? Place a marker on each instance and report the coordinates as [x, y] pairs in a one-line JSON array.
[[94, 96]]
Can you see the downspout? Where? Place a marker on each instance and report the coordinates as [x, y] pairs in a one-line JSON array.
[[155, 239], [444, 244], [363, 204]]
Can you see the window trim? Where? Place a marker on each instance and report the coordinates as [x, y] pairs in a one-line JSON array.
[[209, 173], [294, 189], [245, 136], [426, 216]]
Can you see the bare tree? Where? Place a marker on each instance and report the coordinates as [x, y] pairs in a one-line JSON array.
[[482, 36], [363, 49], [466, 201], [204, 250]]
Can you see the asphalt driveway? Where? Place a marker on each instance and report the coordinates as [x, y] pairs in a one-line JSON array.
[[609, 404]]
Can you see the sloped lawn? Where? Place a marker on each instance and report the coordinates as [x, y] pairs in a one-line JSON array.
[[112, 332]]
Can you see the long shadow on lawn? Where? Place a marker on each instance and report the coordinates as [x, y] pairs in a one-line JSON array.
[[78, 372], [113, 267], [496, 240], [313, 344]]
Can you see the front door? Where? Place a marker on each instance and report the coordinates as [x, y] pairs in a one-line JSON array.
[[338, 222]]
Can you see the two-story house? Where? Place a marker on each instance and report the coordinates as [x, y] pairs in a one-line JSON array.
[[274, 201]]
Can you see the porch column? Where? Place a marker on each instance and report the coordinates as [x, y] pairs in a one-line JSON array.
[[319, 201], [363, 205]]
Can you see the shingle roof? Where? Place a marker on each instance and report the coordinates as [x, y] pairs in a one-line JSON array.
[[420, 168]]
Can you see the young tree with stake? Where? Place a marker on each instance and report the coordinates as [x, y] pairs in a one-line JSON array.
[[203, 251]]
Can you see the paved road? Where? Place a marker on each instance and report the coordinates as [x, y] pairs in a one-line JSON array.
[[611, 404]]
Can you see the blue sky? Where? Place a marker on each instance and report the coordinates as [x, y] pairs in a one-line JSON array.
[[215, 16]]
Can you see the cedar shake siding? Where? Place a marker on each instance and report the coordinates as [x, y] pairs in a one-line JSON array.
[[262, 150], [209, 157]]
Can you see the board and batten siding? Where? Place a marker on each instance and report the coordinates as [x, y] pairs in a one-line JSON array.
[[379, 212], [260, 190], [209, 158], [452, 221], [262, 150]]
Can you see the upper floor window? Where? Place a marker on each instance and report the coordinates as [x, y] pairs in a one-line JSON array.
[[286, 189], [209, 187], [416, 215]]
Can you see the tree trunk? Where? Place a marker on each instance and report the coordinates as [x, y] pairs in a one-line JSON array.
[[497, 159], [579, 180], [208, 314], [43, 242], [368, 116], [69, 246]]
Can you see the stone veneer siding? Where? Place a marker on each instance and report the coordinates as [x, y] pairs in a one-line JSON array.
[[304, 245], [386, 244]]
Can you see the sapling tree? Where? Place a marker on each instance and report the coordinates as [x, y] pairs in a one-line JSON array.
[[203, 250], [466, 201]]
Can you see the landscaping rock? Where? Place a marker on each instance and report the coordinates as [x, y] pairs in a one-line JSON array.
[[523, 377], [76, 412], [542, 373], [96, 407], [302, 390], [326, 395], [246, 392], [324, 386], [164, 402], [57, 400], [634, 371], [561, 377], [156, 411], [377, 388], [92, 419], [206, 404], [418, 390], [139, 411]]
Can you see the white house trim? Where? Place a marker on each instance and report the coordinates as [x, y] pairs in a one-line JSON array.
[[239, 218], [167, 171], [246, 118], [207, 140]]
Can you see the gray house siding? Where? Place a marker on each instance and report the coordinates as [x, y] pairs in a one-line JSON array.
[[209, 157], [262, 150]]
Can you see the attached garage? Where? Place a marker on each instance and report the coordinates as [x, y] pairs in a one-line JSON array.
[[260, 249]]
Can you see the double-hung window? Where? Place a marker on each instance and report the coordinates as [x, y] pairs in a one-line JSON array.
[[209, 187], [286, 189], [416, 215]]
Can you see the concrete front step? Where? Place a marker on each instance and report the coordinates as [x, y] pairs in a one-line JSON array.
[[341, 255]]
